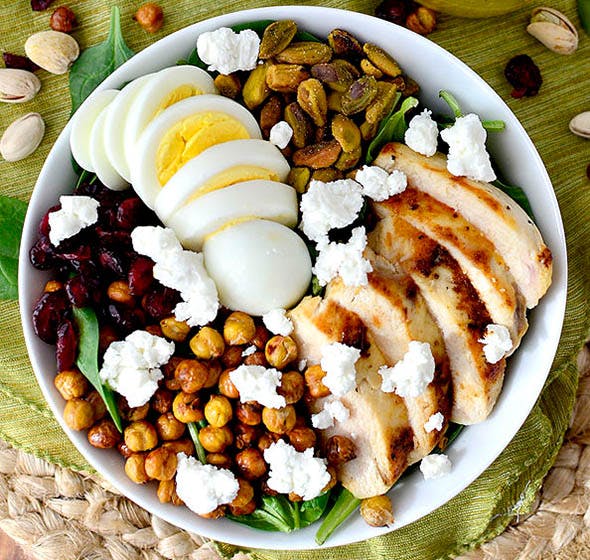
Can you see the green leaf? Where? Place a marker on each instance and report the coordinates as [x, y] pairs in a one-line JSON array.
[[98, 62], [311, 510], [87, 360], [392, 128], [451, 102], [516, 194], [584, 13], [193, 429], [345, 505], [12, 217], [8, 278]]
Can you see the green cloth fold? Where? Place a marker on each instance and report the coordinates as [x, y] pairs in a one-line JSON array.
[[508, 487]]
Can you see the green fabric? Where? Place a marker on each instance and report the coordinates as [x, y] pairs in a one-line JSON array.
[[508, 486]]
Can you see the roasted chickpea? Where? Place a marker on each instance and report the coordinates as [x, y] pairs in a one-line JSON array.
[[249, 413], [215, 514], [219, 460], [132, 414], [162, 401], [207, 344], [339, 450], [280, 351], [119, 292], [246, 509], [218, 411], [250, 463], [232, 357], [169, 368], [266, 489], [215, 369], [313, 379], [106, 336], [267, 439], [186, 407], [140, 436], [239, 328], [156, 330], [279, 420], [167, 493], [184, 445], [172, 384], [294, 497], [261, 337], [78, 414], [71, 384], [245, 435], [135, 468], [53, 286], [243, 502], [302, 438], [377, 511], [124, 450], [168, 427], [98, 407], [226, 385], [292, 386], [256, 359], [174, 329], [333, 478], [161, 463], [215, 440], [192, 375], [104, 434], [150, 16]]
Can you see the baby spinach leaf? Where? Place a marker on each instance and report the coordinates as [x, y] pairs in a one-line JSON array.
[[98, 62], [87, 360], [193, 430], [445, 122], [450, 100], [311, 510], [12, 217], [345, 505], [516, 194]]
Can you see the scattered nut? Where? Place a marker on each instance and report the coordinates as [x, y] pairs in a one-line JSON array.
[[554, 30], [422, 21], [18, 86], [150, 17], [62, 19], [276, 37], [317, 156], [22, 137], [52, 50], [305, 52], [580, 125], [19, 62]]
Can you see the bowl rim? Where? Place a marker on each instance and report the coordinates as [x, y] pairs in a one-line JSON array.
[[238, 534]]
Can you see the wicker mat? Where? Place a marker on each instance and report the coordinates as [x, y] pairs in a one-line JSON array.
[[54, 512]]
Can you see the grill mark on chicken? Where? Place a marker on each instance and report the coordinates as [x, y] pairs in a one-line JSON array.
[[402, 443]]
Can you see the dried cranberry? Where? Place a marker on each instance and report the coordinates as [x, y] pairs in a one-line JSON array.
[[49, 313], [95, 189], [113, 238], [19, 62], [125, 319], [524, 75], [129, 213], [42, 254], [395, 11], [72, 250], [66, 346], [140, 275], [44, 223], [40, 5], [107, 335], [77, 291], [159, 304], [113, 261]]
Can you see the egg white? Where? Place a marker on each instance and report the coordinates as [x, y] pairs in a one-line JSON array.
[[144, 174]]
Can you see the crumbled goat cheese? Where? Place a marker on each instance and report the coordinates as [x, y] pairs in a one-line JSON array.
[[249, 351], [281, 134], [496, 343], [326, 206], [378, 184], [257, 383], [203, 488], [435, 422], [343, 259], [333, 410], [412, 374], [338, 362], [294, 471], [132, 366], [467, 149], [277, 322], [435, 466], [422, 134], [76, 213], [226, 51], [180, 270]]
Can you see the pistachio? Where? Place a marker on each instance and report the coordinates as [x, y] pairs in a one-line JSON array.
[[383, 102], [345, 44], [228, 85], [276, 38], [554, 30], [312, 98], [255, 90], [327, 174], [359, 95], [348, 160], [580, 125], [53, 51], [370, 69], [18, 86], [368, 130], [270, 114], [301, 124], [285, 77], [22, 137], [346, 132], [382, 60], [298, 178], [318, 156], [305, 52], [335, 101], [335, 76], [348, 66]]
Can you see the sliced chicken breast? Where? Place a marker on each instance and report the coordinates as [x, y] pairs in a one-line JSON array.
[[457, 309], [494, 213], [475, 254]]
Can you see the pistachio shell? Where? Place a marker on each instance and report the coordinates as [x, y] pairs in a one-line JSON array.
[[18, 86], [52, 50], [580, 125], [554, 30], [22, 137]]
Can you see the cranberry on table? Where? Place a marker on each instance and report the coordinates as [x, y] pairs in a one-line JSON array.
[[524, 75]]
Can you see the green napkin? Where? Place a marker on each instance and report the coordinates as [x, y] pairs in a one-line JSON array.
[[507, 488]]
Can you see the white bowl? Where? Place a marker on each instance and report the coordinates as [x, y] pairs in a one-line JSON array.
[[434, 69]]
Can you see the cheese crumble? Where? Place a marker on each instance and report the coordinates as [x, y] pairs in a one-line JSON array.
[[422, 134], [412, 374], [338, 362], [76, 213], [277, 322], [496, 343], [281, 134], [257, 383], [378, 184], [436, 465], [435, 422], [226, 51], [333, 410]]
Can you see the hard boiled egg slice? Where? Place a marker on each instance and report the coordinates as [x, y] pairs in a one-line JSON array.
[[82, 122], [98, 156], [164, 88], [257, 266], [206, 214], [181, 132], [115, 124], [220, 166]]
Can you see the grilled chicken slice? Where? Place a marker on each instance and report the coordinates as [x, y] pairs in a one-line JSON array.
[[490, 210], [457, 309], [395, 313], [378, 422], [476, 255]]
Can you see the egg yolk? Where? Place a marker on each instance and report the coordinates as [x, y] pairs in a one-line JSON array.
[[230, 223], [176, 95], [191, 136]]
